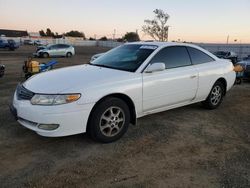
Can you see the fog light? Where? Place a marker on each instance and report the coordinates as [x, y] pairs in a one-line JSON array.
[[48, 127]]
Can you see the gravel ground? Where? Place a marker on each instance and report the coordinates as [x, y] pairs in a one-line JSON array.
[[184, 147]]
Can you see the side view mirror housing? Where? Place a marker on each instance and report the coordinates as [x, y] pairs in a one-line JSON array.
[[155, 67]]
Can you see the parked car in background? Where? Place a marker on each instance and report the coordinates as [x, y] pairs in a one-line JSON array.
[[96, 56], [28, 42], [56, 50], [2, 69], [128, 82], [38, 43], [247, 58], [13, 45], [245, 63], [4, 44], [227, 55], [8, 44]]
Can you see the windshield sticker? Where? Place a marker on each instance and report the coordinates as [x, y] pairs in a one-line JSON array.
[[148, 47]]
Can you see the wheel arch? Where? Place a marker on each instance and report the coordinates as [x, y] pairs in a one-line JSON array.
[[46, 52], [224, 82], [123, 97], [69, 52]]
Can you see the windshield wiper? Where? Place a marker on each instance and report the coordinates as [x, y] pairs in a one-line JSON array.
[[100, 65], [106, 66]]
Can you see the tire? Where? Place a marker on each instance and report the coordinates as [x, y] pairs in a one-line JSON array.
[[69, 54], [238, 81], [45, 55], [215, 96], [109, 120]]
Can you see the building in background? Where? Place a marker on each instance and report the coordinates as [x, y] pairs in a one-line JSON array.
[[34, 35], [13, 33]]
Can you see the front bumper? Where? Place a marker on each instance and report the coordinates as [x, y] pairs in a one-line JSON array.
[[72, 118], [36, 54]]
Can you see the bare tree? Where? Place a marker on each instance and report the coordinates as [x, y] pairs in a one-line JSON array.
[[157, 27]]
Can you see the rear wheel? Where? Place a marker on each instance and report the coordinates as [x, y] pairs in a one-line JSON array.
[[215, 97], [109, 120]]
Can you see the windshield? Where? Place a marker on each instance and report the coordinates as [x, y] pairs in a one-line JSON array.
[[48, 46], [127, 57]]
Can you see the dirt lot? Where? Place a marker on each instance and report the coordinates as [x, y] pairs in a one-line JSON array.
[[184, 147]]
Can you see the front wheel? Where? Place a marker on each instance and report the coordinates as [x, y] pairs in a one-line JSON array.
[[109, 120], [69, 54], [45, 55], [215, 96]]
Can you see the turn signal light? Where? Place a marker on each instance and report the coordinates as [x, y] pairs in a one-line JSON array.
[[72, 98]]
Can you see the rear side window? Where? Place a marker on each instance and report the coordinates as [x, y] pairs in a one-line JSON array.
[[62, 46], [175, 56], [199, 57]]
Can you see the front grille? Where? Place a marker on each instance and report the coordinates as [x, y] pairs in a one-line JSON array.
[[23, 93]]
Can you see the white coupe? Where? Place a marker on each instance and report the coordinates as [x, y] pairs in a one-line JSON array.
[[126, 83]]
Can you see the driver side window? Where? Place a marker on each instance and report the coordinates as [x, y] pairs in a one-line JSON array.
[[173, 57]]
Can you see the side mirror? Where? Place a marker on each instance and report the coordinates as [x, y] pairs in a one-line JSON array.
[[155, 67]]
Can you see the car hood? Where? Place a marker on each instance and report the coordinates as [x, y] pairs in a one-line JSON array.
[[75, 77], [42, 49], [244, 63]]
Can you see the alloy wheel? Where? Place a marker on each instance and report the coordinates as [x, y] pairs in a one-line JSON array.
[[216, 95], [112, 121]]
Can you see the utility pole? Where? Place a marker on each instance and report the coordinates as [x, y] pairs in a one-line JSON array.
[[227, 39], [114, 34]]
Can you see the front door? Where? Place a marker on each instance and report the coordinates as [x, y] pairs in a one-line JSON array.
[[175, 85]]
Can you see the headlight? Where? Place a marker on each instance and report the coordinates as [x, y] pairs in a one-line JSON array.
[[43, 99], [93, 58]]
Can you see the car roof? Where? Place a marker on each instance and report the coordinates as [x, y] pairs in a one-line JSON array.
[[160, 44], [166, 44]]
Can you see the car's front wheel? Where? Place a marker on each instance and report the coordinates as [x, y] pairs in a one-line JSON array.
[[45, 55], [69, 54], [215, 96], [109, 120]]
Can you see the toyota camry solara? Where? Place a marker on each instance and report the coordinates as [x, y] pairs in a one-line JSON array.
[[126, 83]]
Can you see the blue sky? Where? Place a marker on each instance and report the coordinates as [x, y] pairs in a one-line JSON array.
[[190, 20]]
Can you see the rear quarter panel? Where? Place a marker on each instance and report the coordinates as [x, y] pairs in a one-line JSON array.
[[209, 73]]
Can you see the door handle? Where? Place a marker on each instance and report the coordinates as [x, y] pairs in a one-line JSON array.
[[193, 76]]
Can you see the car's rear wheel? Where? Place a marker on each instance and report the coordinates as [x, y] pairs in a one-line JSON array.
[[109, 120], [45, 55], [215, 96], [69, 54]]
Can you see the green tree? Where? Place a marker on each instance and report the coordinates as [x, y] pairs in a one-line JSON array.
[[42, 33], [131, 37], [157, 28], [75, 34], [120, 40], [103, 38], [49, 33]]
